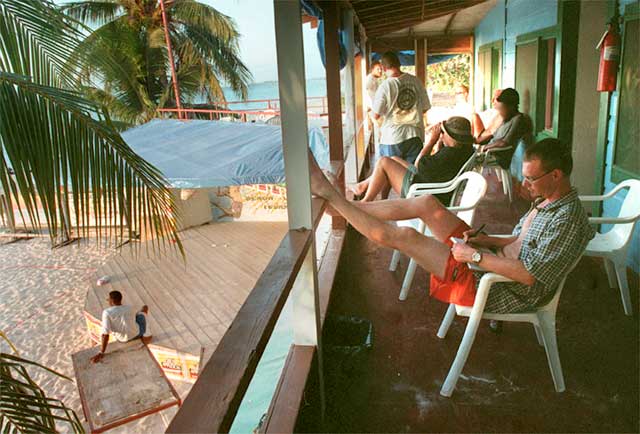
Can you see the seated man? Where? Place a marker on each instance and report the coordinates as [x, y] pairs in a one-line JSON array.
[[455, 148], [121, 320], [546, 242], [515, 127]]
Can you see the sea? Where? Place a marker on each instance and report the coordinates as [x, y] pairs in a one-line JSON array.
[[269, 90]]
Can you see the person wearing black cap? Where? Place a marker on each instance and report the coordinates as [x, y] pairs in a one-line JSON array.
[[515, 127], [455, 148]]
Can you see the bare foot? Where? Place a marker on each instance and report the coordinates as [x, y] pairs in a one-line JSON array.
[[320, 185], [359, 188]]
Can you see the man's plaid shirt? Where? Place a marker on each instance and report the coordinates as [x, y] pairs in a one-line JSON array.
[[557, 236]]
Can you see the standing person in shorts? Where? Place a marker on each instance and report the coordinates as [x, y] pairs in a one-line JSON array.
[[540, 251], [401, 101]]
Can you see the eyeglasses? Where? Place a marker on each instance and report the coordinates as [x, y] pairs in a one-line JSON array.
[[532, 180]]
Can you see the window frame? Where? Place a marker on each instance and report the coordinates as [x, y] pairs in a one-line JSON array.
[[619, 174], [541, 37], [494, 47]]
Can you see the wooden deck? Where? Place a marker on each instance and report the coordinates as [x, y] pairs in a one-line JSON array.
[[190, 304]]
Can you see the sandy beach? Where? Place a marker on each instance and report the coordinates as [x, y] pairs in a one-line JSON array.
[[42, 293]]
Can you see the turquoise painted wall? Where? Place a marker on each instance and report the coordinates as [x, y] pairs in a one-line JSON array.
[[612, 206], [524, 16], [506, 21]]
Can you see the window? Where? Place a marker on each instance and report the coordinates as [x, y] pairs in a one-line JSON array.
[[626, 162], [488, 74], [535, 79]]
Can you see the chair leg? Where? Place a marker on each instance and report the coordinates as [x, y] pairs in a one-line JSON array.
[[447, 321], [498, 173], [621, 273], [548, 329], [538, 335], [395, 259], [611, 272], [506, 184], [462, 355], [408, 279]]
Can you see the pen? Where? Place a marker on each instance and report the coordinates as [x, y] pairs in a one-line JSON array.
[[478, 231]]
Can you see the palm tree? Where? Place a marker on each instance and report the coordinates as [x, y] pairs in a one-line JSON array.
[[59, 152], [204, 45]]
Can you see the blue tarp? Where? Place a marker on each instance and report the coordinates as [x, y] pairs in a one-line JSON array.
[[201, 153]]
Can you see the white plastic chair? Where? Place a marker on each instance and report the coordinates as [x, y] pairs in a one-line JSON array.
[[474, 190], [613, 245], [543, 320], [504, 175]]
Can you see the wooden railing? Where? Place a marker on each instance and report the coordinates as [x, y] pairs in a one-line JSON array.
[[271, 108], [213, 402]]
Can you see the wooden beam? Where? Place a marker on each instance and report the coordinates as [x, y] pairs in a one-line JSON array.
[[289, 395], [331, 12], [420, 12], [360, 7], [449, 22], [451, 44], [421, 61], [213, 401]]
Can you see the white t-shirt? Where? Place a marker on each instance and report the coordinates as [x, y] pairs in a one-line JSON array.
[[401, 101], [120, 321], [371, 85]]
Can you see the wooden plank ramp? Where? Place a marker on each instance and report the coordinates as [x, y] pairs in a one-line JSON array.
[[192, 303], [125, 385]]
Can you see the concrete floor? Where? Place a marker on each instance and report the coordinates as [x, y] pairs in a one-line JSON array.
[[506, 386]]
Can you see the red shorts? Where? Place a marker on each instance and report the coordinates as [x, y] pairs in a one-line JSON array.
[[459, 283]]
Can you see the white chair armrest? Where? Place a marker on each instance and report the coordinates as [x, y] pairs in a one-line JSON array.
[[494, 150], [613, 220], [422, 189], [598, 198]]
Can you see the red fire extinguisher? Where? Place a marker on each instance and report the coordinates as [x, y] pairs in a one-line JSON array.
[[609, 47]]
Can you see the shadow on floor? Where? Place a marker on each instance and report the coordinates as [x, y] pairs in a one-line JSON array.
[[506, 386]]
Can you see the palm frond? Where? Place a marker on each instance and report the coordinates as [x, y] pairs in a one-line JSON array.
[[24, 407], [197, 14], [65, 154], [93, 12], [222, 58], [37, 41]]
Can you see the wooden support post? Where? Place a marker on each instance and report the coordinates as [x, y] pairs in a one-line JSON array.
[[421, 60], [295, 143], [360, 115], [351, 156], [334, 105]]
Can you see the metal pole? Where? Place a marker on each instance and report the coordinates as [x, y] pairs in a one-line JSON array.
[[174, 78]]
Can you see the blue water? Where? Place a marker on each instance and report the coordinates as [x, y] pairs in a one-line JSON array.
[[269, 90]]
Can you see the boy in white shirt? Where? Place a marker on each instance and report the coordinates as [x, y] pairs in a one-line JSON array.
[[121, 321]]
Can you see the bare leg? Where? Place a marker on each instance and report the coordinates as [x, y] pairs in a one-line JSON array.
[[403, 163], [477, 125], [388, 173], [427, 208], [430, 254]]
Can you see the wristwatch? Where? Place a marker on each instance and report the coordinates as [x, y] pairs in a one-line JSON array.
[[476, 257]]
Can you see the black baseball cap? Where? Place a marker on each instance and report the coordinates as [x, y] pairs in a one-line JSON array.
[[509, 96]]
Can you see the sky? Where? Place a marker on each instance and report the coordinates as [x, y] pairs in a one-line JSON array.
[[254, 20]]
